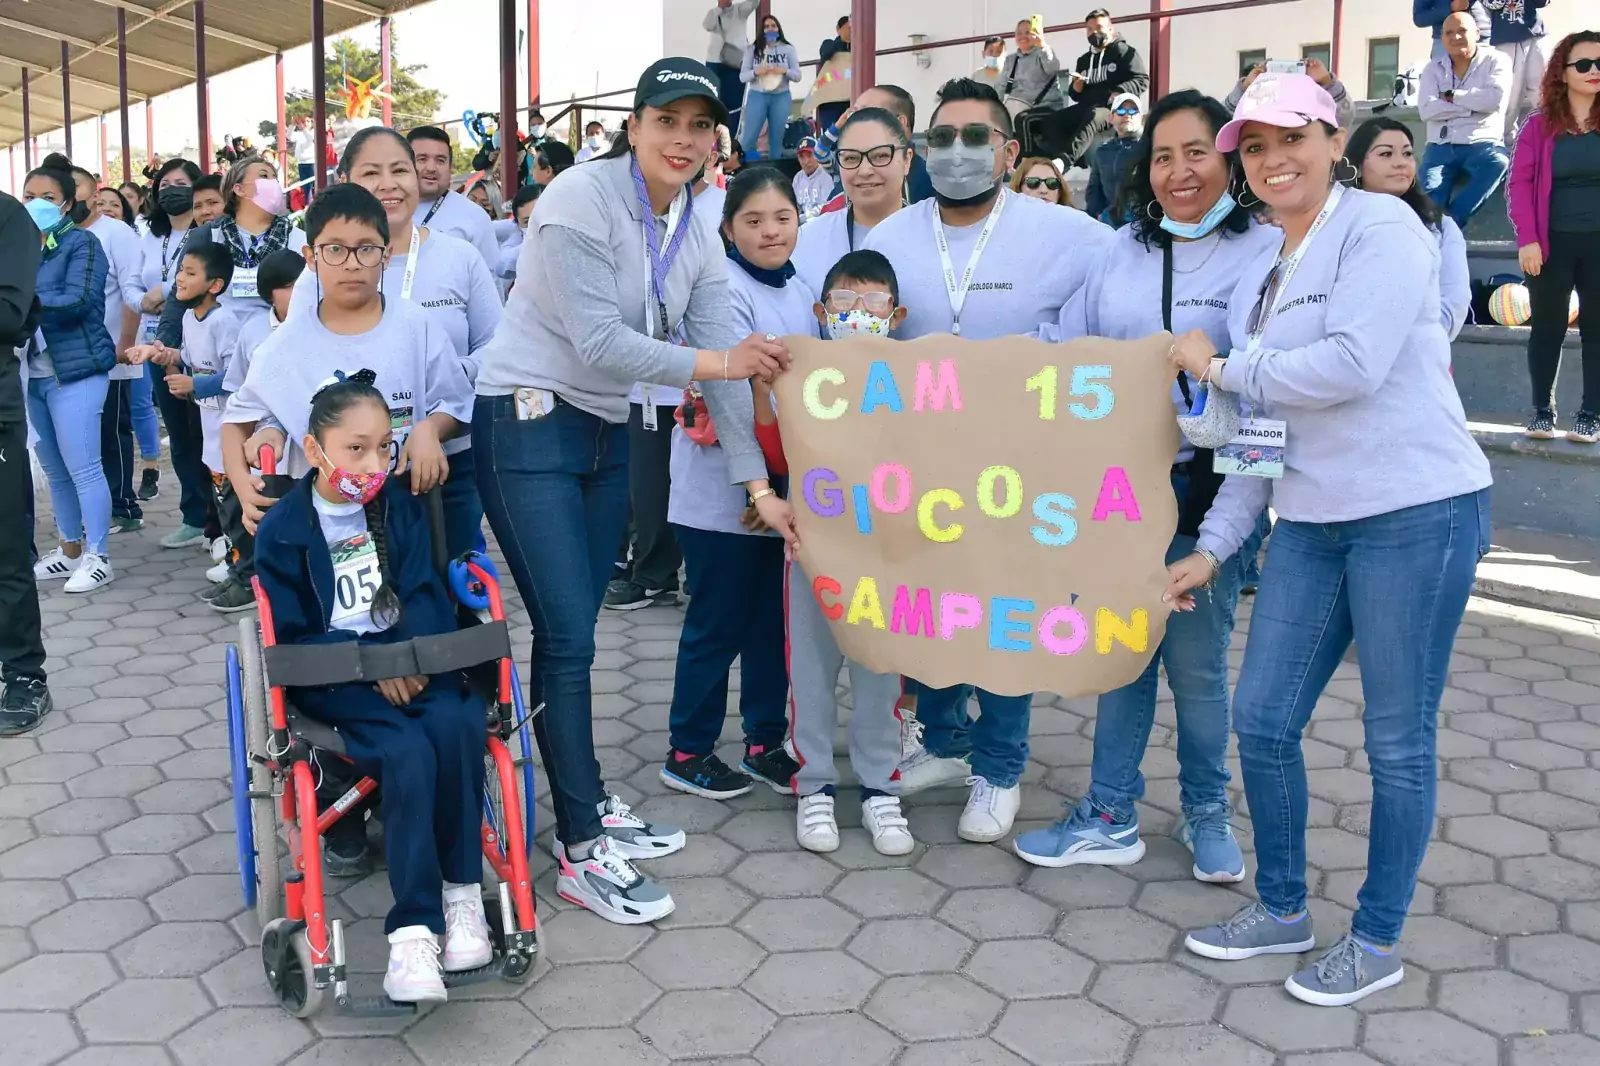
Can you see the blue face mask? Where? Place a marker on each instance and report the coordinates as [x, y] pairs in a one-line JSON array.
[[1192, 231], [45, 214], [771, 36]]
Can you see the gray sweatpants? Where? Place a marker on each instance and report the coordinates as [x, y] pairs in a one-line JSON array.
[[814, 662]]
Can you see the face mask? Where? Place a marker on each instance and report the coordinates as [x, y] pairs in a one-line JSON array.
[[992, 62], [1098, 40], [1213, 218], [353, 487], [270, 196], [595, 142], [45, 214], [176, 199], [961, 173], [857, 323], [536, 132], [771, 36]]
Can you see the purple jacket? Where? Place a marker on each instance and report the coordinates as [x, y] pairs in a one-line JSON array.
[[1528, 190]]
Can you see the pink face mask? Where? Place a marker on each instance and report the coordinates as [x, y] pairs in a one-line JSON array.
[[356, 488], [269, 196]]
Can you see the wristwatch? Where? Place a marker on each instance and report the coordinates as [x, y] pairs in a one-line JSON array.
[[762, 494]]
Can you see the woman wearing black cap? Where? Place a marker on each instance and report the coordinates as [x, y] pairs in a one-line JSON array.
[[628, 285]]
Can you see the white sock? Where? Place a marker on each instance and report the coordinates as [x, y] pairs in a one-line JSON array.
[[454, 893], [579, 852]]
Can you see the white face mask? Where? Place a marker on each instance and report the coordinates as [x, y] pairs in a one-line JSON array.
[[857, 323], [992, 62], [595, 141], [536, 132]]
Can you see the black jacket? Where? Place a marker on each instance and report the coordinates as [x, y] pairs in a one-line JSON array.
[[833, 47], [1117, 69], [19, 307]]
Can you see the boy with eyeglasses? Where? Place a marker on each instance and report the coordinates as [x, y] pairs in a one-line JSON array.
[[1111, 160]]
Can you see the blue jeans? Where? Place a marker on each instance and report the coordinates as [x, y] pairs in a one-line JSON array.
[[1195, 653], [997, 741], [736, 610], [116, 449], [67, 419], [555, 490], [1250, 551], [765, 109], [142, 408], [463, 510], [1483, 164], [1397, 585], [186, 444]]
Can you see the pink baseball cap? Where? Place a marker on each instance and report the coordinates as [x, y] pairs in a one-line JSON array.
[[1286, 100]]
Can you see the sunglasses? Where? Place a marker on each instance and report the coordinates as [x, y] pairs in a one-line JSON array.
[[1584, 66], [1125, 111], [1264, 299], [973, 135], [843, 301], [1042, 183], [880, 156]]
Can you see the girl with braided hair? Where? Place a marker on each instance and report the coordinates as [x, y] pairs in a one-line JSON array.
[[347, 556]]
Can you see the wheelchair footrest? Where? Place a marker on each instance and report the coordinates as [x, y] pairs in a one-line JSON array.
[[374, 1007], [490, 971]]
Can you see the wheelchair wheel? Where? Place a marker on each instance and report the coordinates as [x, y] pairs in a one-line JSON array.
[[494, 809], [263, 816], [286, 957]]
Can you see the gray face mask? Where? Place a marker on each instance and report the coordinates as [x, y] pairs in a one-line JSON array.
[[961, 173]]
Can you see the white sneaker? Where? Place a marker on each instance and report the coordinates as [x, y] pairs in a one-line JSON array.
[[891, 835], [634, 837], [925, 770], [218, 574], [814, 825], [93, 572], [466, 930], [219, 549], [414, 975], [990, 811], [605, 882], [54, 566]]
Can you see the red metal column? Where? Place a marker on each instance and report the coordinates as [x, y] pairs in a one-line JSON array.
[[105, 161], [122, 93], [533, 55], [66, 98], [319, 94], [1160, 49], [763, 9], [508, 97], [286, 167], [149, 129], [27, 125], [863, 46], [1338, 32], [386, 56], [202, 87]]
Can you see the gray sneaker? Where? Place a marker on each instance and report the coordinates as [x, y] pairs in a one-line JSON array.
[[1251, 932], [1346, 973]]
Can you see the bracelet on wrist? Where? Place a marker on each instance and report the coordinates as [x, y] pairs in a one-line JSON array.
[[725, 354], [1216, 565]]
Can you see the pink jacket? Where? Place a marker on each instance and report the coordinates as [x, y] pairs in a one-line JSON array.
[[1528, 191]]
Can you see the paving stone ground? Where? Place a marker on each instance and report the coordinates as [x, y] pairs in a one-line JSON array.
[[124, 942]]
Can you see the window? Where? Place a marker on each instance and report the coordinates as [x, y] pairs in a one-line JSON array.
[[1323, 52], [1250, 59], [1383, 66]]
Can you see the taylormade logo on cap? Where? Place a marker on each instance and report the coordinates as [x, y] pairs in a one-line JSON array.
[[684, 75]]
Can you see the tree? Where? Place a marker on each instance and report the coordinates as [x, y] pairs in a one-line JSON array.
[[414, 105]]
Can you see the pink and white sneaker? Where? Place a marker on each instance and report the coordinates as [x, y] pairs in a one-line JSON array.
[[605, 882]]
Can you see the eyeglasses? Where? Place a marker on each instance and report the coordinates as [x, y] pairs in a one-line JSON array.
[[1264, 300], [1042, 183], [841, 301], [973, 135], [367, 255], [1125, 111], [1584, 66], [879, 156]]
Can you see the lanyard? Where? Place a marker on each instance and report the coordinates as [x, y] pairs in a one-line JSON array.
[[411, 265], [850, 227], [957, 292], [1287, 267], [434, 209], [661, 261], [166, 263]]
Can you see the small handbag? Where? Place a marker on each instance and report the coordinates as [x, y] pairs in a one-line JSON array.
[[1213, 418]]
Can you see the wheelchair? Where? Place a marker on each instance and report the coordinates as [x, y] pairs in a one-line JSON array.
[[279, 759]]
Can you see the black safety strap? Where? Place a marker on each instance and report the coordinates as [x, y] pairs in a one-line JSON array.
[[318, 665]]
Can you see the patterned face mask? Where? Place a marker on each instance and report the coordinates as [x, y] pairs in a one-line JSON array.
[[857, 323], [354, 487]]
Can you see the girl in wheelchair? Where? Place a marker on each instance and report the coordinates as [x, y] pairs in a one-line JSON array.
[[347, 557]]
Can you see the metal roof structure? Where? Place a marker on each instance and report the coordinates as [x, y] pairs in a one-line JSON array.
[[37, 35]]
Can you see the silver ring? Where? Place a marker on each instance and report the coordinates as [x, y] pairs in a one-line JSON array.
[[771, 338]]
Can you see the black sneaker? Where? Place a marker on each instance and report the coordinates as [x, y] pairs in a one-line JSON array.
[[344, 847], [703, 775], [231, 596], [149, 484], [631, 596], [1585, 428], [773, 766], [23, 706], [1542, 426]]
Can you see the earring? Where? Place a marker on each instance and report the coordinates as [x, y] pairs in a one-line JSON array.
[[1355, 175], [1248, 204], [1150, 212]]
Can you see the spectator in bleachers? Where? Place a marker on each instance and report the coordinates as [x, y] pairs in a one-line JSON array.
[[994, 58], [1110, 68], [1464, 98], [728, 22], [1111, 160], [1517, 31], [830, 96], [1431, 14]]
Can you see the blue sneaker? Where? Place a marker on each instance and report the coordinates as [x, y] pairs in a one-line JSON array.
[[1252, 931], [1347, 972], [1088, 836], [1205, 832]]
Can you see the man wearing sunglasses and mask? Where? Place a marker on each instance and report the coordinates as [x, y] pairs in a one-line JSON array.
[[981, 262], [1111, 159]]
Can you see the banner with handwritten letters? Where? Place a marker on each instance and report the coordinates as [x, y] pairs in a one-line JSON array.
[[994, 513]]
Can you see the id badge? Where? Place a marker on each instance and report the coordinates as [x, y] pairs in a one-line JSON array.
[[244, 283], [1256, 451], [533, 403], [147, 332], [649, 416], [400, 422]]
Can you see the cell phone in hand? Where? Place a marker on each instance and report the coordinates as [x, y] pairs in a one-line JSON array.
[[1286, 66]]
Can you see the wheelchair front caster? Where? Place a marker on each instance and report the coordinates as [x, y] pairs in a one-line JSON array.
[[286, 957]]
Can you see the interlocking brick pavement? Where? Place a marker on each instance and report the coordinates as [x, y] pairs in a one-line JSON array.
[[124, 942]]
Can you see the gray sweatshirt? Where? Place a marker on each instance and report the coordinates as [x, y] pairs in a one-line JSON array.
[[1031, 78], [1476, 110], [1356, 362], [576, 322]]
